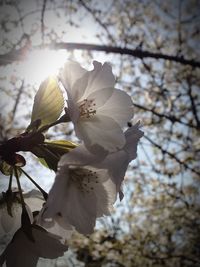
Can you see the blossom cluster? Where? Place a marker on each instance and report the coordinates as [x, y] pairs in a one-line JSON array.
[[89, 176]]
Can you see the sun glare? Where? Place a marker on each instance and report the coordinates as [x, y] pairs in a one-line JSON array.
[[41, 64]]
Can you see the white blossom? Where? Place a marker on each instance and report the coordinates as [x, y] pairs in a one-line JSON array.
[[79, 196], [56, 226], [97, 110], [85, 186], [115, 163]]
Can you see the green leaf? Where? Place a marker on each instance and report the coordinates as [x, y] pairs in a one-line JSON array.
[[60, 147], [46, 157], [50, 152], [48, 103]]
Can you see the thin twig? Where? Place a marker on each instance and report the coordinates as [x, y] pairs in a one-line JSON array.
[[45, 195], [17, 100], [171, 155], [193, 106], [42, 19], [91, 11], [162, 115]]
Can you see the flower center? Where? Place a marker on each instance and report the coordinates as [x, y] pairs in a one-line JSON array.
[[84, 179], [87, 108]]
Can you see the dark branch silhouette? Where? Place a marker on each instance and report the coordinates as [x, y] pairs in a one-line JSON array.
[[16, 55], [171, 118], [173, 156]]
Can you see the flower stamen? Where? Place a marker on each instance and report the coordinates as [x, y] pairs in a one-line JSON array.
[[84, 179], [87, 108]]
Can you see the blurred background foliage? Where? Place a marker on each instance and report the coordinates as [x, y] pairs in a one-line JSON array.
[[157, 63]]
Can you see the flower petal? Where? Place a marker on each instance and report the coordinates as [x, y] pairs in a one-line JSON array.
[[100, 130], [101, 96], [119, 106], [100, 77], [71, 72], [116, 164], [83, 200], [132, 135], [79, 87], [81, 156]]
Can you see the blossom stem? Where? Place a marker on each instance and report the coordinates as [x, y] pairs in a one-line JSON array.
[[64, 118], [20, 189], [45, 195], [10, 181]]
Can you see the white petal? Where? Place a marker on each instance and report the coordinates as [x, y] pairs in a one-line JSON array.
[[9, 224], [34, 199], [81, 156], [60, 228], [57, 193], [79, 87], [100, 77], [117, 164], [101, 96], [110, 188], [88, 203], [84, 199], [119, 106], [71, 72], [132, 135], [73, 110], [100, 130], [74, 95]]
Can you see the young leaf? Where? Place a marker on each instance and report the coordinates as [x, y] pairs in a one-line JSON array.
[[48, 102], [50, 152], [46, 157], [59, 147]]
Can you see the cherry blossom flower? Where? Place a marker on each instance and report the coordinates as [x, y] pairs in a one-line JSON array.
[[116, 163], [97, 110], [85, 186], [56, 226], [23, 252], [79, 196]]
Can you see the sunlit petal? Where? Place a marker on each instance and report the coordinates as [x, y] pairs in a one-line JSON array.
[[119, 107], [100, 130]]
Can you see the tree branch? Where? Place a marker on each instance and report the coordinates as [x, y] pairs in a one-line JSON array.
[[42, 19], [193, 105], [97, 20], [15, 55], [171, 118], [172, 156]]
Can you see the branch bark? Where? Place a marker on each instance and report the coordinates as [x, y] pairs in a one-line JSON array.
[[16, 55]]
